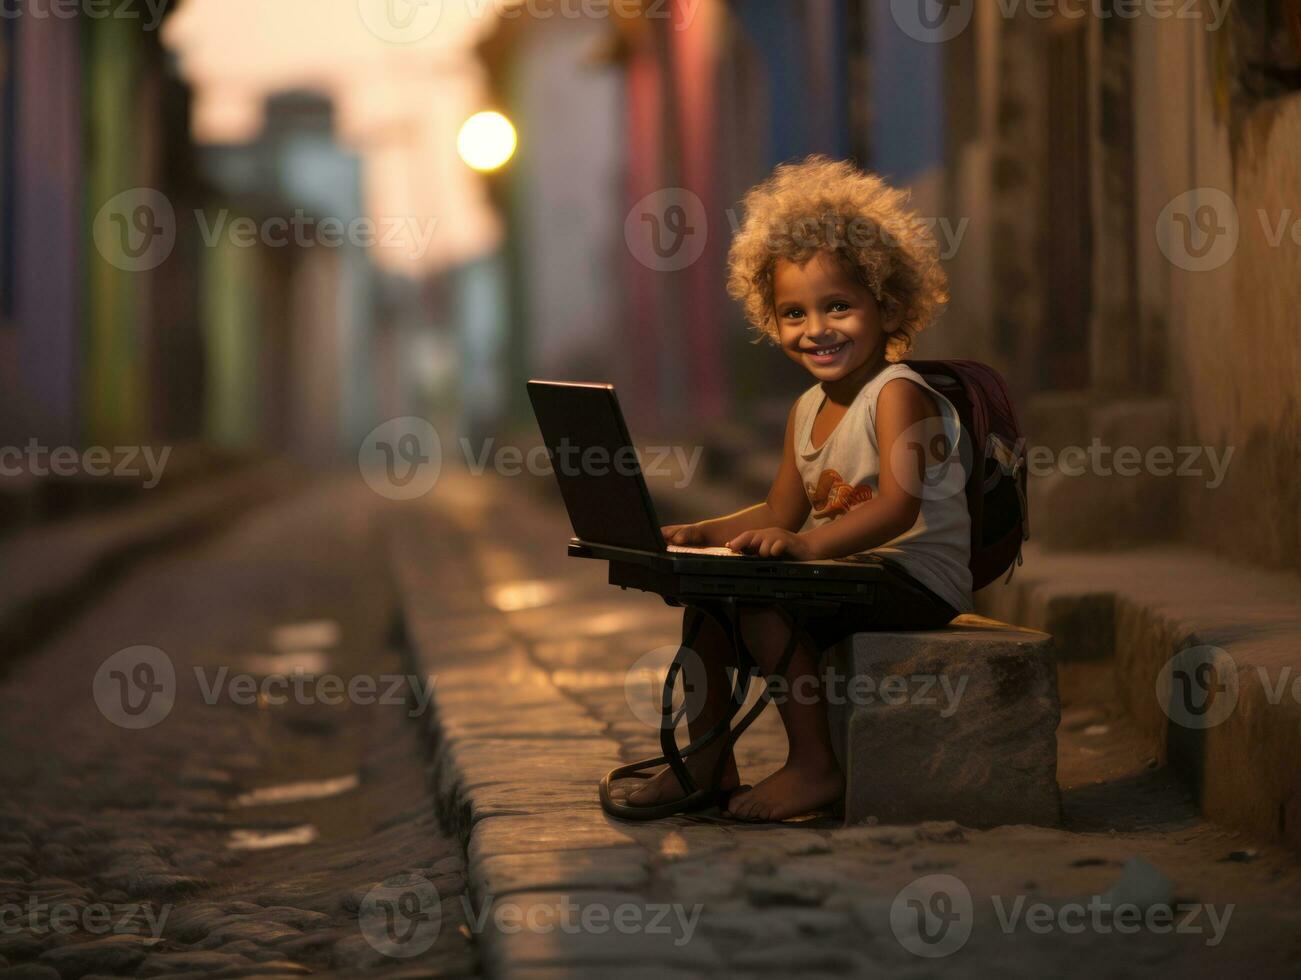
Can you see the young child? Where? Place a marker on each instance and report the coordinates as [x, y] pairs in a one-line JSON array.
[[833, 267]]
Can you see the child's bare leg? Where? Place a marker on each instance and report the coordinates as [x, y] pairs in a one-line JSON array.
[[811, 778], [706, 672]]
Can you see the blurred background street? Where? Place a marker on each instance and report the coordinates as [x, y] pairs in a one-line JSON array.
[[273, 275], [258, 228]]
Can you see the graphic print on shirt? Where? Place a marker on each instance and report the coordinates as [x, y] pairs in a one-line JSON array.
[[832, 496]]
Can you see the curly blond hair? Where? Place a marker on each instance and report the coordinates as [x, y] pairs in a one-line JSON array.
[[829, 205]]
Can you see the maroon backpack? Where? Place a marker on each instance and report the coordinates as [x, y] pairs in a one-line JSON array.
[[996, 471]]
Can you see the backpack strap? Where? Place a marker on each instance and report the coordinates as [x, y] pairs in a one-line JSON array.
[[1019, 478]]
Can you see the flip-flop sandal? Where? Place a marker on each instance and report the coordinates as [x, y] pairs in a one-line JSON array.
[[694, 801]]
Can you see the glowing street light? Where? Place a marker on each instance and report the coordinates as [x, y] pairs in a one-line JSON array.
[[486, 141]]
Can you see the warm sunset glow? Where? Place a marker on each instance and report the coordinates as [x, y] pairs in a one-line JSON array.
[[401, 88]]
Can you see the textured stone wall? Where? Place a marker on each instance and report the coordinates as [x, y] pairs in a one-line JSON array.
[[1215, 347], [1241, 375]]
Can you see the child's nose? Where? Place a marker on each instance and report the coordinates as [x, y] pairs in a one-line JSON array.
[[817, 328]]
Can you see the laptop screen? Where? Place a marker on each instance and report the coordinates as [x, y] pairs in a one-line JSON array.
[[595, 464]]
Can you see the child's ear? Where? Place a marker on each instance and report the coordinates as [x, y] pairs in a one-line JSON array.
[[889, 322], [889, 315]]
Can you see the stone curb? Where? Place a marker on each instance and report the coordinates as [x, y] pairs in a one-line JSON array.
[[1137, 610], [515, 769]]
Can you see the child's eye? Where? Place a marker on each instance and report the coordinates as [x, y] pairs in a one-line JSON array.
[[839, 307], [794, 314]]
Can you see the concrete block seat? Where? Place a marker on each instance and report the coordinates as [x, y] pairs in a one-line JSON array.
[[951, 724]]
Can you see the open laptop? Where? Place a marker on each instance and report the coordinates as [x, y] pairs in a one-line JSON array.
[[614, 518]]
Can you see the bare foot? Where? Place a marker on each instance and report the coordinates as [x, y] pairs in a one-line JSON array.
[[664, 787], [791, 791]]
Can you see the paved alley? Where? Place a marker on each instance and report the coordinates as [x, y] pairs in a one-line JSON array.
[[214, 770], [348, 736]]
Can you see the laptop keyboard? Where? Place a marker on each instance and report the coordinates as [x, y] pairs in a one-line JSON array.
[[688, 550]]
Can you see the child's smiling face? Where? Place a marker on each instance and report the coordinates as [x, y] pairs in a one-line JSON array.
[[828, 322]]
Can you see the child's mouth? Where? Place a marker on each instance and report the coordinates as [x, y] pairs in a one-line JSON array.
[[825, 355]]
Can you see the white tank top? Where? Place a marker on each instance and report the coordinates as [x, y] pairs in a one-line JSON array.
[[845, 471]]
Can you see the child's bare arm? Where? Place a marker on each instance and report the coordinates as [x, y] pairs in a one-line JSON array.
[[906, 424], [787, 505]]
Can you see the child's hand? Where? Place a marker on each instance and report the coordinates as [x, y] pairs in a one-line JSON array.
[[688, 535], [774, 542]]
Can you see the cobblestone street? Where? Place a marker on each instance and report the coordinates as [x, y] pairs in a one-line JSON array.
[[232, 836], [229, 765]]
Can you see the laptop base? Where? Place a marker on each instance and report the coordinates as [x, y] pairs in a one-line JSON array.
[[680, 578]]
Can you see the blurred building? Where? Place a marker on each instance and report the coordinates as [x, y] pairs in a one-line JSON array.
[[406, 316], [665, 116], [1131, 186], [149, 289], [75, 338]]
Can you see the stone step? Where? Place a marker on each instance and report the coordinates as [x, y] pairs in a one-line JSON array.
[[1207, 661]]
